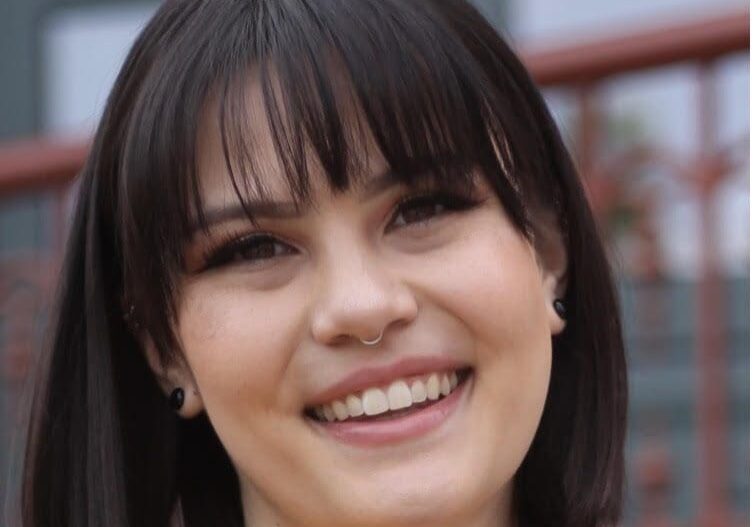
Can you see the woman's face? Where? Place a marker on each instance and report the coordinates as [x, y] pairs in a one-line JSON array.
[[270, 329]]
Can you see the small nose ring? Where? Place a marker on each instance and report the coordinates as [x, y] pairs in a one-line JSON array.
[[373, 342]]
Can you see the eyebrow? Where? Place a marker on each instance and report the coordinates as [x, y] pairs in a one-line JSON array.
[[287, 209]]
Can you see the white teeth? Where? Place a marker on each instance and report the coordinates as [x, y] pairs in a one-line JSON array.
[[444, 385], [355, 409], [341, 410], [418, 392], [399, 396], [433, 388], [329, 414], [374, 401]]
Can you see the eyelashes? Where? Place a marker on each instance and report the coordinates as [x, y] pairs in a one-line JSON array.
[[251, 248], [413, 212], [424, 207]]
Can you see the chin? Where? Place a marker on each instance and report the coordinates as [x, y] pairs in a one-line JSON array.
[[419, 494]]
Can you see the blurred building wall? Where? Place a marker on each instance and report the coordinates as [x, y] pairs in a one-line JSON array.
[[58, 61], [22, 32]]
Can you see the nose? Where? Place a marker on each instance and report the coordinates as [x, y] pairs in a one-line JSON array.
[[360, 298]]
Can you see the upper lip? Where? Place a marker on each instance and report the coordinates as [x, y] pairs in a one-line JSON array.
[[370, 376]]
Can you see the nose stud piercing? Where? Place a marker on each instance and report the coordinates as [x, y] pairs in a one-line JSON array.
[[176, 399], [560, 308], [373, 342]]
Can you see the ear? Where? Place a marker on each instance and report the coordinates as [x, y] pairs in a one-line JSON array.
[[553, 264], [172, 375]]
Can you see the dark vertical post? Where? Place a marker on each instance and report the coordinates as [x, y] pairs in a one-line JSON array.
[[711, 402], [587, 128]]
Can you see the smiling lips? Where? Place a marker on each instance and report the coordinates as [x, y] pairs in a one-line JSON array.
[[384, 404], [407, 423], [398, 395]]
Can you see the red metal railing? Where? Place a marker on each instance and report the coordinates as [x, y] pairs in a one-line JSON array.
[[39, 164], [585, 67], [42, 165]]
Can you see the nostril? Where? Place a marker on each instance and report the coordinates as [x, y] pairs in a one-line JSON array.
[[361, 309]]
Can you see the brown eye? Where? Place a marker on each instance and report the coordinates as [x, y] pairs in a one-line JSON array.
[[257, 250], [252, 249], [420, 210]]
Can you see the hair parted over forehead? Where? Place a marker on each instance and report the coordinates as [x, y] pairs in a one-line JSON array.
[[441, 95]]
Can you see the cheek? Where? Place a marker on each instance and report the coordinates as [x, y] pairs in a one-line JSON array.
[[491, 282], [514, 353], [498, 296], [237, 345]]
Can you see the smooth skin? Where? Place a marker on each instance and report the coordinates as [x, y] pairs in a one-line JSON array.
[[261, 335]]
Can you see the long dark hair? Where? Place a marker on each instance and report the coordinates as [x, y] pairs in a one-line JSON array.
[[439, 91]]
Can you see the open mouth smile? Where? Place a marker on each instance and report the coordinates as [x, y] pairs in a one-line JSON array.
[[403, 409]]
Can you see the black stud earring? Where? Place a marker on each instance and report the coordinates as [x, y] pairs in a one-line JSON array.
[[176, 399], [560, 308]]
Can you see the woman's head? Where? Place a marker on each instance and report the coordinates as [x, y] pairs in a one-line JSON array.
[[253, 193]]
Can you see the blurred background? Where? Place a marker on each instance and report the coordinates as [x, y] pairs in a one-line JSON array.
[[652, 97]]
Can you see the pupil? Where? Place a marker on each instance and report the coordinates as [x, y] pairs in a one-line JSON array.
[[260, 250], [420, 211]]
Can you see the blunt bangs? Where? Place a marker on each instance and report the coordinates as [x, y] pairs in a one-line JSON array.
[[333, 74]]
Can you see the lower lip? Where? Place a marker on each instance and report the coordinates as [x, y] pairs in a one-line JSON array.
[[376, 433]]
